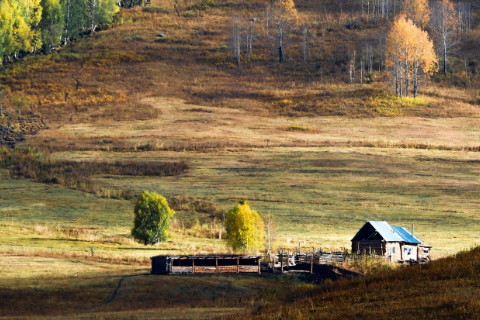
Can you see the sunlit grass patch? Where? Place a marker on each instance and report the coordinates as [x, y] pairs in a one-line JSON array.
[[392, 106]]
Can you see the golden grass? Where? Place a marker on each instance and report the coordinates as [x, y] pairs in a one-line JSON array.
[[182, 126], [444, 289]]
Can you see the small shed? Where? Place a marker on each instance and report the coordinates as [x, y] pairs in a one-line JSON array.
[[394, 242], [206, 264]]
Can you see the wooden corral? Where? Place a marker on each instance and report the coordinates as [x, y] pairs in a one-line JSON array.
[[206, 264]]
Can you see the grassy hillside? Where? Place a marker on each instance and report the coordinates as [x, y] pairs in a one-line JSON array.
[[300, 142], [444, 289]]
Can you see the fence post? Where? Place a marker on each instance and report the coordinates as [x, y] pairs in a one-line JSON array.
[[288, 260], [281, 262], [311, 263]]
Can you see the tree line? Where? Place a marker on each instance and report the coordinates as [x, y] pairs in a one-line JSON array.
[[419, 40], [29, 26]]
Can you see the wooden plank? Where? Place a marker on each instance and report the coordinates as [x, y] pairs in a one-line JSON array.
[[311, 263], [213, 269]]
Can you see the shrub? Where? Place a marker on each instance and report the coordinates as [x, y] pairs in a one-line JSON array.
[[203, 5], [155, 9]]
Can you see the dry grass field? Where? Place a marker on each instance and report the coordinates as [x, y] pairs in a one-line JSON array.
[[302, 144], [444, 289], [78, 289]]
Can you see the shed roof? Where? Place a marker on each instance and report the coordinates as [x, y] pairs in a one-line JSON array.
[[406, 235], [387, 232], [209, 257]]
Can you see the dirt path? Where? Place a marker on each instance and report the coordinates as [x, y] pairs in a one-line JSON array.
[[119, 285]]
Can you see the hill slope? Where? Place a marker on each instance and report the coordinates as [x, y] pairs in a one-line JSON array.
[[445, 289], [321, 154]]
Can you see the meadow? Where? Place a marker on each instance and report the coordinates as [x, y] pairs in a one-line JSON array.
[[319, 180], [80, 289]]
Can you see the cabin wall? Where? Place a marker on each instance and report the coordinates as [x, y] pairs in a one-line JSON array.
[[205, 264], [423, 253], [368, 247], [393, 251], [409, 252]]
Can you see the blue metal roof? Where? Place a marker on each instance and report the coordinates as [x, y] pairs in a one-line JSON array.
[[391, 233], [386, 231], [406, 235]]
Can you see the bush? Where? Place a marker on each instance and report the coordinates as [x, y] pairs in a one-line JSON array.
[[203, 5], [155, 9]]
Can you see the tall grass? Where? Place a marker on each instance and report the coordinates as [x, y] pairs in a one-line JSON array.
[[443, 289], [32, 164]]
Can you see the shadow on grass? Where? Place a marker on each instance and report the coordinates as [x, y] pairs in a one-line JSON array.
[[147, 248]]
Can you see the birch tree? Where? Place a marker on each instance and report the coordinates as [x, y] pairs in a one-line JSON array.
[[100, 12], [250, 38], [52, 23], [236, 40], [76, 19], [418, 11], [445, 28], [244, 228], [409, 54], [19, 27], [464, 16], [284, 16]]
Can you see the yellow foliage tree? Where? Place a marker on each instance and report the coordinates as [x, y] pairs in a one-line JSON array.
[[409, 53], [244, 228], [418, 11], [18, 26], [288, 9]]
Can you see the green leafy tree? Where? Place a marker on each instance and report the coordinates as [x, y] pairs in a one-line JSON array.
[[244, 228], [106, 11], [28, 25], [33, 15], [52, 23], [100, 12], [19, 21], [76, 19], [152, 218]]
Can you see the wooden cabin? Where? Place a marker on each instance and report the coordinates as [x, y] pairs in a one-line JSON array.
[[206, 264], [393, 242]]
